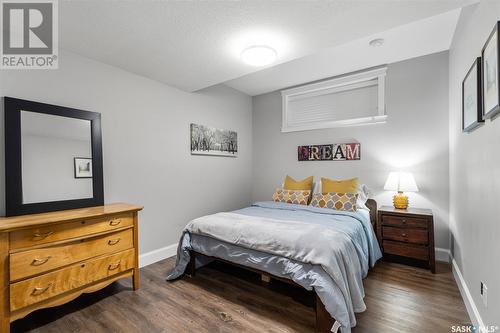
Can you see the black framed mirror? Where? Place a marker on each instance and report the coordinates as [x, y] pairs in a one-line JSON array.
[[53, 158]]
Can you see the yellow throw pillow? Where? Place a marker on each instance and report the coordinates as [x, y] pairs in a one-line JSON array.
[[304, 184], [337, 201], [339, 186], [300, 197]]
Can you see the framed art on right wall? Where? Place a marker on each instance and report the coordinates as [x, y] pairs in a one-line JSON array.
[[491, 87], [472, 115]]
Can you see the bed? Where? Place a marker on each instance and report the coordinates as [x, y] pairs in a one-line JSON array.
[[322, 250]]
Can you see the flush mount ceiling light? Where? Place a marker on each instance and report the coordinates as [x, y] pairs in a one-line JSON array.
[[258, 55], [377, 42]]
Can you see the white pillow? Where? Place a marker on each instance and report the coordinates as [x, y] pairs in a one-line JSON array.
[[363, 195]]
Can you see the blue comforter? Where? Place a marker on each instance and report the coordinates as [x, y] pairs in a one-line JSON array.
[[355, 228], [361, 233]]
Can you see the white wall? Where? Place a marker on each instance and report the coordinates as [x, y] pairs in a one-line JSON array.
[[146, 149], [415, 138], [475, 170]]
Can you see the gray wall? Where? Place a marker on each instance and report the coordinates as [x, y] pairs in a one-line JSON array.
[[48, 168], [145, 126], [415, 138], [475, 170]]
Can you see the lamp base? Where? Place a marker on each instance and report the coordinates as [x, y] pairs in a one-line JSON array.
[[400, 201]]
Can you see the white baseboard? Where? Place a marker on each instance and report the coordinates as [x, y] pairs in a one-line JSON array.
[[151, 257], [472, 310], [475, 317], [443, 255]]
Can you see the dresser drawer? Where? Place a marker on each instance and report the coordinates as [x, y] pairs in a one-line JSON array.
[[37, 261], [43, 287], [407, 235], [406, 250], [59, 232], [404, 221]]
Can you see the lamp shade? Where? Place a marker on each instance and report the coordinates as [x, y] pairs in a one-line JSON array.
[[401, 182]]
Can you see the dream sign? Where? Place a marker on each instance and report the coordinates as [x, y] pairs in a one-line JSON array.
[[332, 152]]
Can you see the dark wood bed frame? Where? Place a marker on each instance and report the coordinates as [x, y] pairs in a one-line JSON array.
[[324, 321]]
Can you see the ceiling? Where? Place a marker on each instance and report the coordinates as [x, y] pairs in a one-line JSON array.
[[192, 45], [426, 36]]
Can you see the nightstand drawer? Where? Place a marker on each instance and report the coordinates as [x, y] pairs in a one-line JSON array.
[[406, 250], [415, 236], [404, 221]]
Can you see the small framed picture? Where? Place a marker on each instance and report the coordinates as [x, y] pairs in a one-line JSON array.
[[491, 87], [472, 114], [83, 167]]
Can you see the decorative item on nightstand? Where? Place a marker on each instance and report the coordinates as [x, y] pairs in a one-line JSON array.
[[400, 182]]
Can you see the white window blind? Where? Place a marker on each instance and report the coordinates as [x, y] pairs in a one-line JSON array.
[[350, 100]]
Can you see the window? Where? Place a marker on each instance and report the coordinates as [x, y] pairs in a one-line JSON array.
[[345, 101]]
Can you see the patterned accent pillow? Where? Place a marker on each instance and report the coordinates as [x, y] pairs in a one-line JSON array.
[[337, 201], [298, 197]]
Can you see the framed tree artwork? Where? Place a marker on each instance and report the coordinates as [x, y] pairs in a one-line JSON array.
[[472, 114], [490, 66], [207, 140]]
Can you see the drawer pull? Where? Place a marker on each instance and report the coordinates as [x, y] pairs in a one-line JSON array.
[[114, 266], [42, 235], [39, 262], [404, 221], [39, 291], [114, 223], [114, 241], [404, 235]]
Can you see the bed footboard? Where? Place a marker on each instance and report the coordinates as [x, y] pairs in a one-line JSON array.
[[324, 321]]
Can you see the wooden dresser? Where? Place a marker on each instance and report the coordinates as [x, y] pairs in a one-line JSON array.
[[407, 234], [51, 258]]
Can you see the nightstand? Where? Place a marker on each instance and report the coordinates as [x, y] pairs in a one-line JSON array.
[[407, 235]]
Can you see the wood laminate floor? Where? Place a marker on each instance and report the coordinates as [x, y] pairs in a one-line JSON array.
[[399, 299]]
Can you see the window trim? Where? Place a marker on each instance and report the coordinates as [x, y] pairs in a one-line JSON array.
[[338, 84]]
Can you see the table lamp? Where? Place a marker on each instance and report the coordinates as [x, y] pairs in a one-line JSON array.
[[400, 182]]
